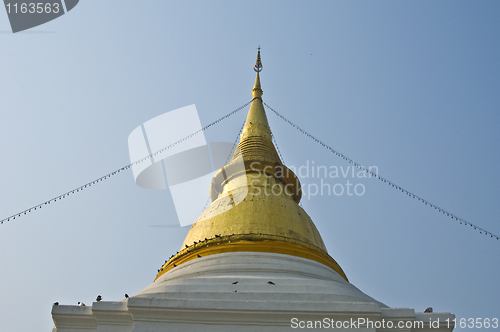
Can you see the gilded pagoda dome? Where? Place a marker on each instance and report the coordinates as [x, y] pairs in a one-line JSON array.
[[255, 202]]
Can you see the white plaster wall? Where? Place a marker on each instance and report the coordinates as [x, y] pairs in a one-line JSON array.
[[200, 296]]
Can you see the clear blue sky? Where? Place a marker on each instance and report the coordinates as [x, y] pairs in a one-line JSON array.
[[411, 87]]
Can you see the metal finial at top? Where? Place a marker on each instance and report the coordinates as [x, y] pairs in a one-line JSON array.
[[258, 64]]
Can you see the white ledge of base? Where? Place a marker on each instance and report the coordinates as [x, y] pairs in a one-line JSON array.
[[73, 318]]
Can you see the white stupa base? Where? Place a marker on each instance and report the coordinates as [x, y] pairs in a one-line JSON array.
[[231, 291]]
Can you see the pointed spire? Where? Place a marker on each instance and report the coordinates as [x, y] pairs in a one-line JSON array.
[[258, 63], [256, 124], [256, 148], [257, 91]]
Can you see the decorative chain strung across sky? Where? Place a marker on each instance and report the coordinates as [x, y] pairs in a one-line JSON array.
[[359, 166], [53, 200]]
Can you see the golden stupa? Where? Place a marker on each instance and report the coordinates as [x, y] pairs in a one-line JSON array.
[[252, 261], [254, 203]]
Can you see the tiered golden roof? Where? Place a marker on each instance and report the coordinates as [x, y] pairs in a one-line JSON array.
[[254, 202]]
